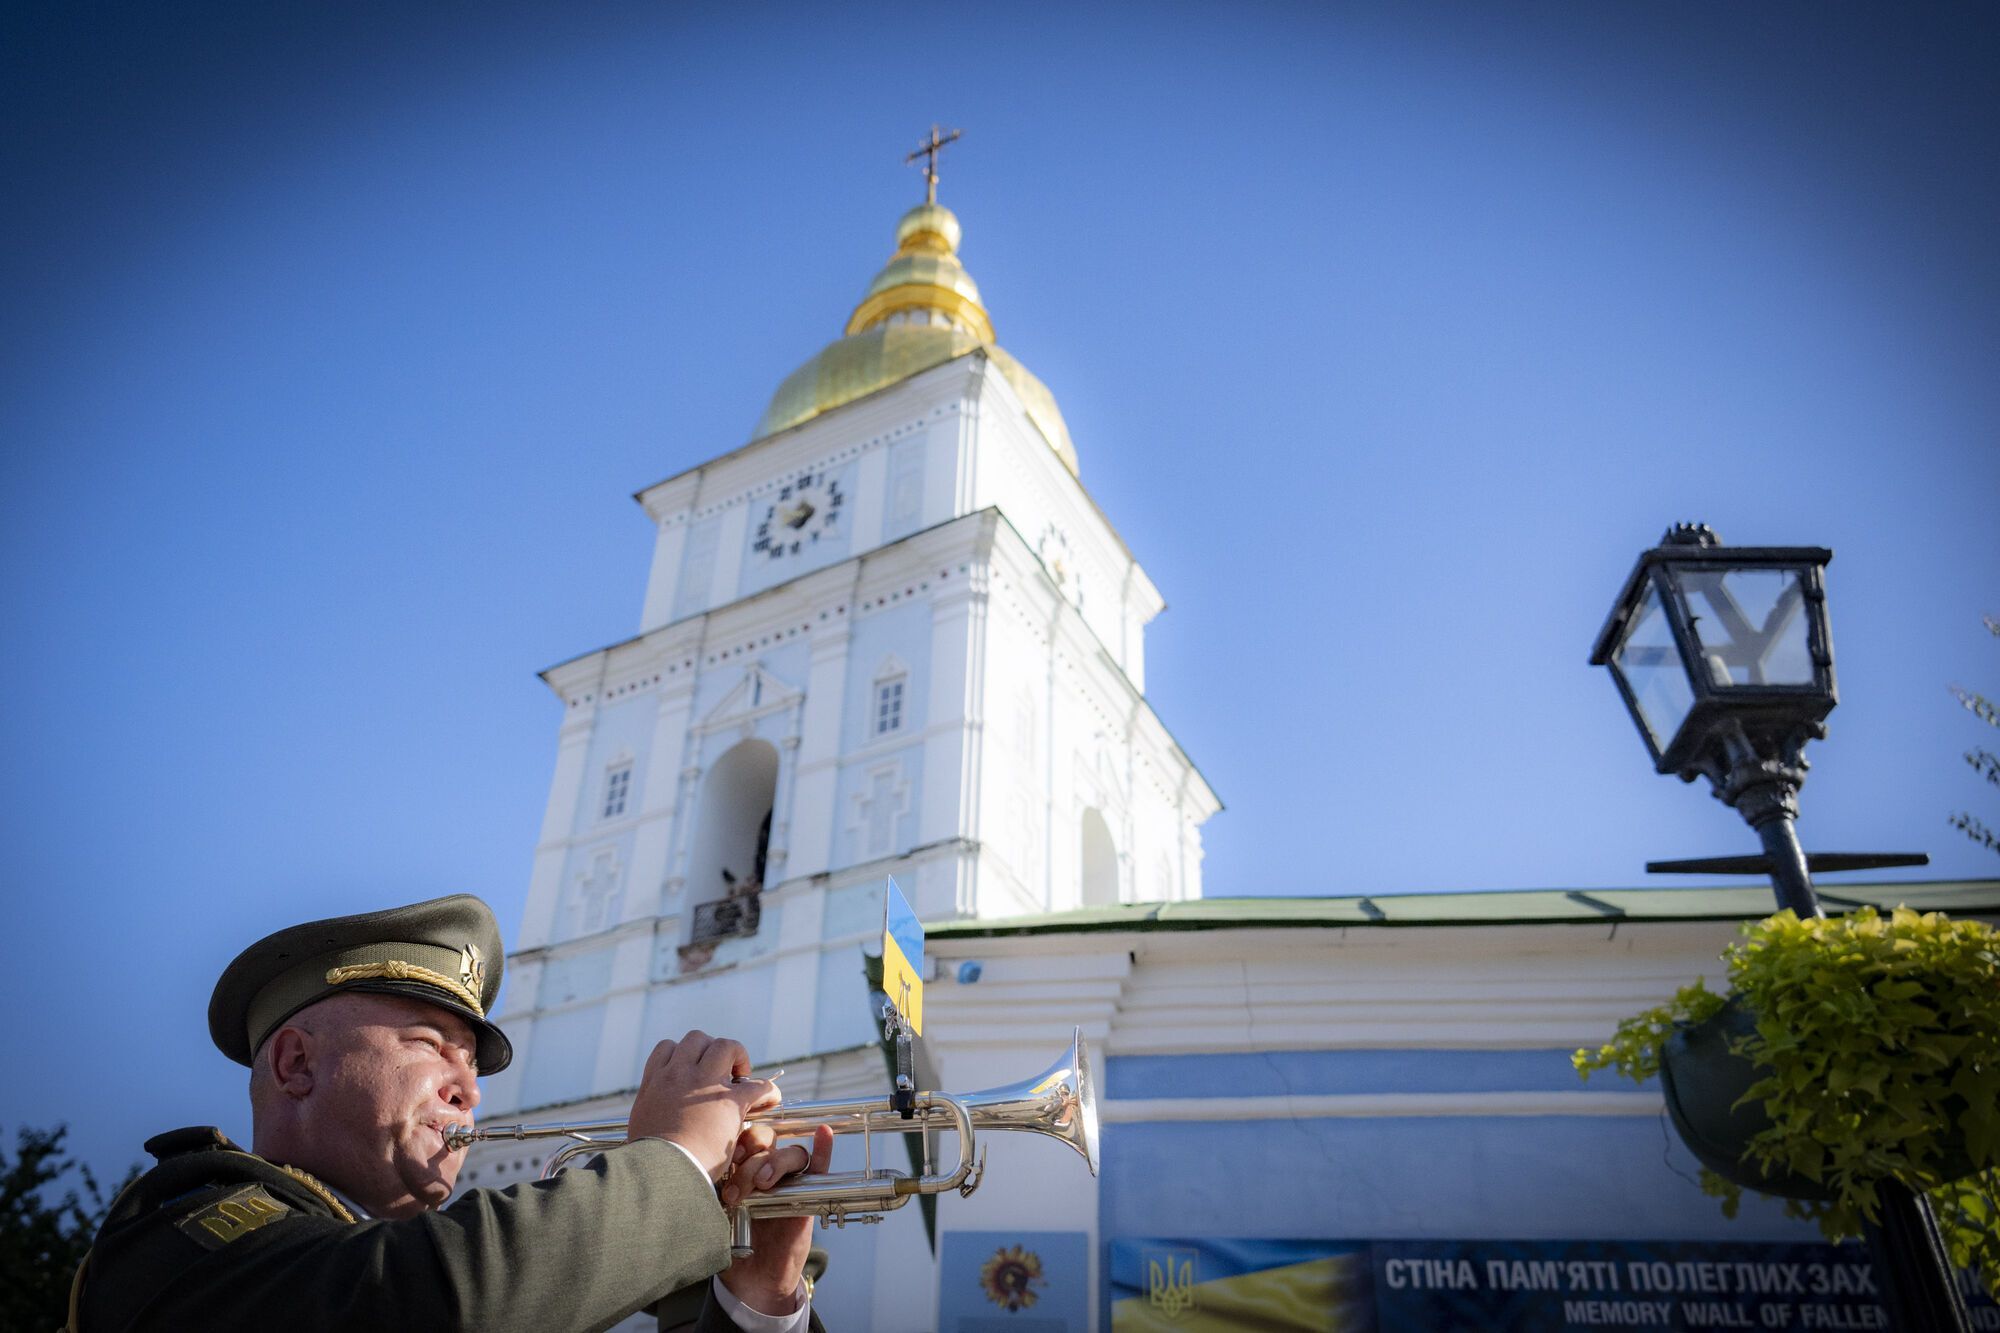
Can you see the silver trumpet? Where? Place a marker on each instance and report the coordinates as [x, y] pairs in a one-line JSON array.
[[1060, 1102]]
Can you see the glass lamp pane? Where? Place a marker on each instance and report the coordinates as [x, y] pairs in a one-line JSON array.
[[1651, 666], [1751, 624]]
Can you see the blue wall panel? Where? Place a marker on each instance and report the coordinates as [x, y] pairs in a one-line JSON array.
[[1296, 1073], [1522, 1177]]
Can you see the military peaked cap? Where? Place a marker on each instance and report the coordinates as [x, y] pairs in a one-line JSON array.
[[446, 952]]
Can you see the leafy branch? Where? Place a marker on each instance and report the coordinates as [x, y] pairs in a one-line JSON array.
[[1878, 1045], [1978, 705], [42, 1242], [1983, 762], [1976, 831]]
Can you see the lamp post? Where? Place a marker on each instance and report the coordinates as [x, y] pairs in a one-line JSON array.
[[1723, 657]]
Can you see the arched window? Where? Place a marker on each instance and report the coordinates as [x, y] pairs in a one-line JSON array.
[[1099, 861], [731, 839]]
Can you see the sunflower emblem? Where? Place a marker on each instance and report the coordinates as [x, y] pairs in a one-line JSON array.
[[1010, 1277]]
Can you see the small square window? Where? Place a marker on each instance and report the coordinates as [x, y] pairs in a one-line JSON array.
[[616, 786], [888, 706]]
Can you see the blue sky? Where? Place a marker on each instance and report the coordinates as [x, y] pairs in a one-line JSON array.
[[336, 338]]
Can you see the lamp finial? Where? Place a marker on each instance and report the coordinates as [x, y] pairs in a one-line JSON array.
[[1690, 534]]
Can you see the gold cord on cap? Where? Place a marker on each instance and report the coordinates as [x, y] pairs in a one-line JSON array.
[[397, 971]]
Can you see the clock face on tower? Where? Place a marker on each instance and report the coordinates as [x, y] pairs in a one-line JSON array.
[[807, 507]]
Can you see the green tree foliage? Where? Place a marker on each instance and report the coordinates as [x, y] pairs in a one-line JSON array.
[[42, 1242], [1880, 1041], [1984, 762]]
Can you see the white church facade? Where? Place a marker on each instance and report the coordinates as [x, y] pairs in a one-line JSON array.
[[893, 636]]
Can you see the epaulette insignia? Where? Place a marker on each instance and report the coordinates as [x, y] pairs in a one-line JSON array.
[[233, 1216]]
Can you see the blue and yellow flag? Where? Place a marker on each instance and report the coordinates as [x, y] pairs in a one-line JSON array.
[[1223, 1285], [903, 958]]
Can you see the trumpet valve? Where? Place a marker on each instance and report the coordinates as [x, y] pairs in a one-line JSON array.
[[973, 1176]]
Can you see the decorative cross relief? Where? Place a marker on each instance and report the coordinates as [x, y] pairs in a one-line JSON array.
[[885, 800], [597, 898]]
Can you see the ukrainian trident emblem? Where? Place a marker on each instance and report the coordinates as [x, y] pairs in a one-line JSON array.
[[472, 970], [1170, 1281]]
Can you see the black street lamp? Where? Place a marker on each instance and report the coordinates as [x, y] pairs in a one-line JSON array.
[[1723, 657]]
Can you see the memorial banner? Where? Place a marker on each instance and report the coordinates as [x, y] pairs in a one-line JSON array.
[[1516, 1286]]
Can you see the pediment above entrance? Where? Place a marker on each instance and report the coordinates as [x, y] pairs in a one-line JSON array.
[[758, 694]]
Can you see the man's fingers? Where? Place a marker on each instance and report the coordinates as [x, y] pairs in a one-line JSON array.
[[822, 1150], [760, 1171], [786, 1161], [723, 1059], [763, 1170], [694, 1045], [754, 1139], [755, 1094], [768, 1168], [661, 1054]]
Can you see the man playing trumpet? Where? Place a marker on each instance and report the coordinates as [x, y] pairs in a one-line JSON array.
[[365, 1037]]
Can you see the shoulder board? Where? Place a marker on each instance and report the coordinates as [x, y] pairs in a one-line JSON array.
[[233, 1216], [182, 1183], [195, 1138]]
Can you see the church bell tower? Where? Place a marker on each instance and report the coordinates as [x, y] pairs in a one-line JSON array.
[[890, 635]]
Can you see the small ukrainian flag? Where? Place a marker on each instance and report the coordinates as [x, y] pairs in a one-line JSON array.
[[903, 958]]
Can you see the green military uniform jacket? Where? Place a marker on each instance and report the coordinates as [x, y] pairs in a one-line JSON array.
[[217, 1238]]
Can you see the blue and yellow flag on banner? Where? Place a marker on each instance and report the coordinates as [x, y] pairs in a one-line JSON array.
[[903, 958]]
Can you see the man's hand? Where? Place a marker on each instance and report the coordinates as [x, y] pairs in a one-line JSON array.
[[768, 1281], [696, 1092]]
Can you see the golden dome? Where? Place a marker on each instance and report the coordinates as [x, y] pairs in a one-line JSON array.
[[929, 227], [921, 310]]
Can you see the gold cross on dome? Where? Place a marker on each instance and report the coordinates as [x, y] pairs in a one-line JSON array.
[[929, 150]]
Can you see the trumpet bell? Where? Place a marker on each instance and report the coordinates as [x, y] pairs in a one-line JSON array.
[[1060, 1102]]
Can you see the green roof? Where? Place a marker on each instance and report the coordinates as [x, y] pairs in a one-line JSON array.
[[1965, 897]]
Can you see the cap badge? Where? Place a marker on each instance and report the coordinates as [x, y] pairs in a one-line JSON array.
[[472, 969]]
